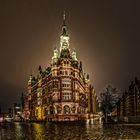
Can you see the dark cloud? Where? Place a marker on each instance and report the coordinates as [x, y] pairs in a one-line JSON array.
[[105, 35]]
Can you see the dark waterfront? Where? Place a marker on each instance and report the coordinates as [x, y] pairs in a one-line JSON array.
[[68, 131]]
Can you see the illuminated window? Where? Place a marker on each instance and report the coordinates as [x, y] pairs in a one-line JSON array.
[[39, 101], [66, 83], [66, 96]]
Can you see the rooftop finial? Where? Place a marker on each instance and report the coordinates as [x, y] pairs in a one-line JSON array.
[[64, 18]]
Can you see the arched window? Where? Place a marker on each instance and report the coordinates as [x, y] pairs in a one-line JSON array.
[[51, 110], [66, 109], [46, 112]]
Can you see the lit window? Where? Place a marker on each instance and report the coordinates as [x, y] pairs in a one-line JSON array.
[[39, 101], [66, 96], [66, 83]]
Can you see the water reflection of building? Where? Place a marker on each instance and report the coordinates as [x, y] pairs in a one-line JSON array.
[[62, 90], [128, 107]]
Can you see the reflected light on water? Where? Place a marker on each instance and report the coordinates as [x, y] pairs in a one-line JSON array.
[[67, 130]]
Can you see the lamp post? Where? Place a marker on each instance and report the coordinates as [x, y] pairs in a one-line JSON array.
[[1, 119]]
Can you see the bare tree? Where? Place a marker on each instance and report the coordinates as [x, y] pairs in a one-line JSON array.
[[108, 99]]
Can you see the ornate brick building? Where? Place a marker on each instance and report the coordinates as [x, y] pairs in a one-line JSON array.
[[61, 91], [128, 107]]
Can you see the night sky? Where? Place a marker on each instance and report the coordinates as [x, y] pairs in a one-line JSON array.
[[104, 33]]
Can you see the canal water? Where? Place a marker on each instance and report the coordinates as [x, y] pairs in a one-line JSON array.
[[68, 131]]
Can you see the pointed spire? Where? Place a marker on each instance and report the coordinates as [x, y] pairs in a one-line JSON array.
[[64, 28], [64, 19], [74, 56], [64, 38], [55, 54], [30, 80]]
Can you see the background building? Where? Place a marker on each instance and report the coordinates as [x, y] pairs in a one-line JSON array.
[[128, 107]]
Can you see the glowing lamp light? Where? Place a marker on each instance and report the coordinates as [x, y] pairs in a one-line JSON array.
[[1, 119], [17, 107], [19, 112]]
